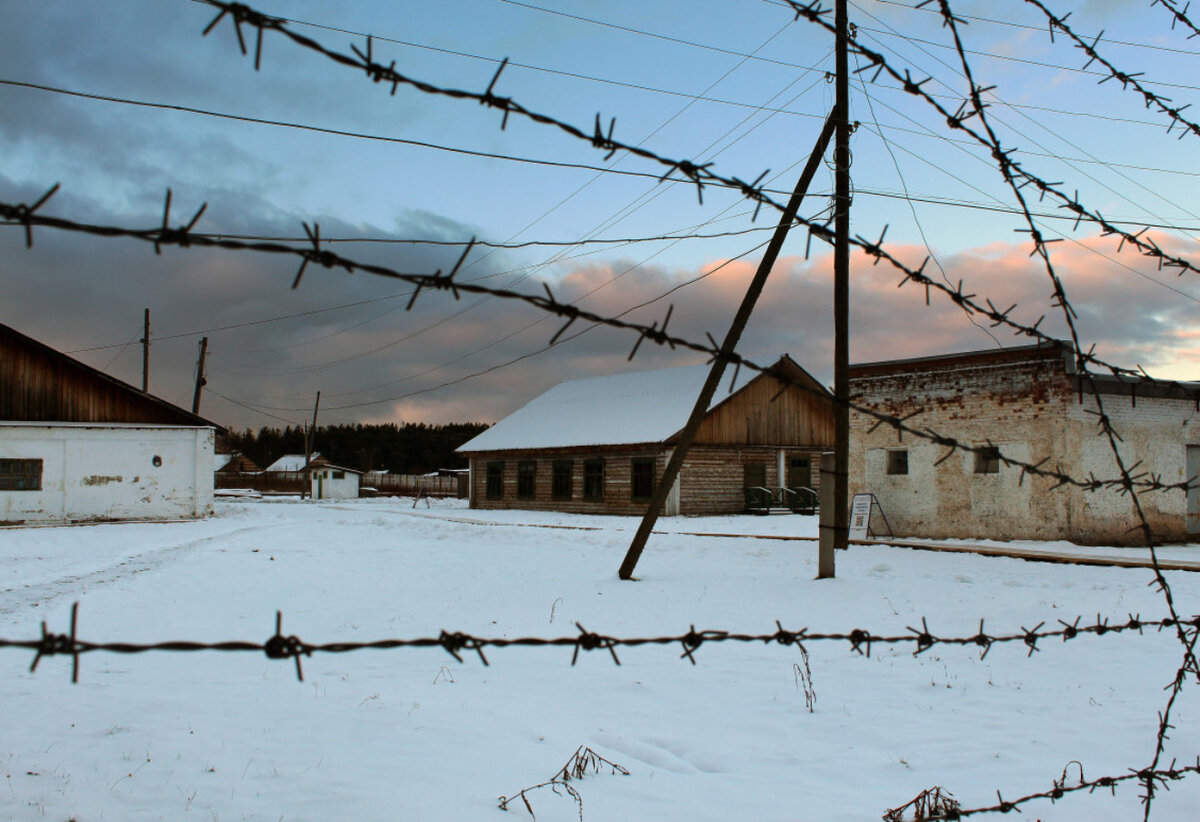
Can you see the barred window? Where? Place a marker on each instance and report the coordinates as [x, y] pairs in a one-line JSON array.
[[20, 475]]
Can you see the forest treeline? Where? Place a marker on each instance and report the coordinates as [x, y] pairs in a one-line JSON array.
[[409, 448]]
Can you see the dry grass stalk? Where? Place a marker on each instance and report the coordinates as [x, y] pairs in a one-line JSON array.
[[581, 763]]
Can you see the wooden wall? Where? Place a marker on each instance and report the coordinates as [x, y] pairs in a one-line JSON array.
[[618, 480], [39, 384], [711, 481], [759, 415]]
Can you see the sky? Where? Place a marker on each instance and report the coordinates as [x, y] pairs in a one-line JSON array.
[[740, 84]]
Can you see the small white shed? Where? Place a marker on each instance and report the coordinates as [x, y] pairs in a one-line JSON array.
[[334, 481]]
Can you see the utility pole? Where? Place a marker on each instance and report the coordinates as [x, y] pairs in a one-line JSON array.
[[146, 352], [309, 436], [200, 381], [841, 306], [700, 409]]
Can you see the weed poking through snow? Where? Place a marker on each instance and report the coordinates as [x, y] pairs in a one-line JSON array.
[[803, 676], [581, 763]]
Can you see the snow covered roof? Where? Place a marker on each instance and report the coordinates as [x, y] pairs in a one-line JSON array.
[[620, 409], [290, 462]]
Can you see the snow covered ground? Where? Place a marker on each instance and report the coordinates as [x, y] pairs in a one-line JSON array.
[[413, 734]]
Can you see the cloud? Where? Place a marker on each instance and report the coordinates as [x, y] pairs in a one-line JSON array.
[[349, 336]]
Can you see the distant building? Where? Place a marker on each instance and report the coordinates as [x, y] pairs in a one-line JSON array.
[[77, 444], [599, 445], [328, 481], [236, 465], [289, 463], [1027, 403]]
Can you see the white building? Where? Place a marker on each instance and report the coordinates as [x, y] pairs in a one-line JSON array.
[[1026, 404], [79, 445], [333, 481], [68, 471]]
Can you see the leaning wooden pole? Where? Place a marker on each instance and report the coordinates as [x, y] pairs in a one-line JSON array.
[[841, 300], [663, 486]]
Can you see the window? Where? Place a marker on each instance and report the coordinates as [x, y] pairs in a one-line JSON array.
[[642, 479], [593, 479], [20, 475], [339, 474], [560, 485], [495, 480], [526, 476], [987, 460], [897, 461], [754, 475]]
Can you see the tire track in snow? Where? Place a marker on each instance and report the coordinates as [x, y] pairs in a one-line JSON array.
[[18, 598]]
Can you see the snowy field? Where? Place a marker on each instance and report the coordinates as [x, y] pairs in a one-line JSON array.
[[412, 734]]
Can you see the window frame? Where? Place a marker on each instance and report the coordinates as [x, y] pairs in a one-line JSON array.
[[896, 464], [527, 479], [593, 479], [562, 474], [21, 473], [989, 462], [494, 480], [638, 481]]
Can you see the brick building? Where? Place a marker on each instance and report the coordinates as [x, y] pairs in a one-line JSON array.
[[1031, 405], [599, 445]]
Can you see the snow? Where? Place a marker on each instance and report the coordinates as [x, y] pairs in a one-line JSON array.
[[413, 734], [618, 409], [290, 462]]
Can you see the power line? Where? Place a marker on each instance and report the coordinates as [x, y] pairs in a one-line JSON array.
[[550, 163], [672, 92], [248, 406], [1027, 27], [1068, 161], [320, 129]]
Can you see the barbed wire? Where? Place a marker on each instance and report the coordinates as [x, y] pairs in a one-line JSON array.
[[1103, 420], [1126, 79], [702, 175], [958, 120], [1041, 250], [1180, 16], [1146, 776], [1060, 299], [183, 237], [456, 643]]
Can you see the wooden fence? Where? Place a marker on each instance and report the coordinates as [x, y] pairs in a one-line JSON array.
[[293, 482]]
